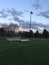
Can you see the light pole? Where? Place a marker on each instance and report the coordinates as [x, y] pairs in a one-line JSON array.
[[30, 18], [30, 24]]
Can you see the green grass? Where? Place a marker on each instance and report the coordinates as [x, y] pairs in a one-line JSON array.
[[33, 52]]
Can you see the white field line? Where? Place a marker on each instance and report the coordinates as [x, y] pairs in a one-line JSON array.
[[16, 39], [15, 47]]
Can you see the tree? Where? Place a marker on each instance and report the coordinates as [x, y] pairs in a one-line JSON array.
[[11, 27], [36, 34], [45, 33], [2, 32], [31, 34]]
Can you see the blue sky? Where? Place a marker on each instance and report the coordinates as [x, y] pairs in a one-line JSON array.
[[18, 11]]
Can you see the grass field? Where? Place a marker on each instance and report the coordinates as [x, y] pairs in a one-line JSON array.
[[33, 52]]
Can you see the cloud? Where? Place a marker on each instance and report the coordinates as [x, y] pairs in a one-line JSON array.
[[36, 5], [3, 25], [44, 14], [18, 19], [3, 14], [13, 12], [36, 26]]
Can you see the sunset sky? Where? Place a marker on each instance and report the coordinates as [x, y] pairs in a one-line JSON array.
[[18, 11]]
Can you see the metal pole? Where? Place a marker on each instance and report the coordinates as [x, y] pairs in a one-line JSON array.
[[30, 18], [30, 23]]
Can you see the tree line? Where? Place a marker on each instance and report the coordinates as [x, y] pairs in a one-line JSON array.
[[30, 34]]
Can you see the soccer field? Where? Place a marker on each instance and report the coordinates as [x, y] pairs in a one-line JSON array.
[[33, 52]]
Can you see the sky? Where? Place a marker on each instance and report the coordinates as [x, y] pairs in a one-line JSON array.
[[18, 12]]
